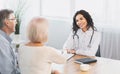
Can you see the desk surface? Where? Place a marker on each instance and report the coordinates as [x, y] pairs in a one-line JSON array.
[[102, 66]]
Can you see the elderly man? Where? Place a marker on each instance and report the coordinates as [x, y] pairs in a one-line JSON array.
[[8, 64]]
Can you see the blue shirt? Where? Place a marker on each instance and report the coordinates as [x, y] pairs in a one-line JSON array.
[[8, 64]]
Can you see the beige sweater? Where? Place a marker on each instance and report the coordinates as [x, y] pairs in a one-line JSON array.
[[38, 59]]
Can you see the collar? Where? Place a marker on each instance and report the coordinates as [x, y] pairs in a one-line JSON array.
[[5, 36], [89, 30]]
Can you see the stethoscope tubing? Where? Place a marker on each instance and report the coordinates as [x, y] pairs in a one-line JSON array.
[[89, 45]]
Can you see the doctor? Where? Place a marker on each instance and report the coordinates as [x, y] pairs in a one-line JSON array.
[[84, 38]]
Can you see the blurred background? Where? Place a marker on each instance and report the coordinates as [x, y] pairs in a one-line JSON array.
[[105, 14]]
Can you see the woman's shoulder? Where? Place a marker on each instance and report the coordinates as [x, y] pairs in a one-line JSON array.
[[49, 48], [54, 49]]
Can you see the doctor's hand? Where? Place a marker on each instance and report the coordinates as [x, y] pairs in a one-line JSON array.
[[72, 51]]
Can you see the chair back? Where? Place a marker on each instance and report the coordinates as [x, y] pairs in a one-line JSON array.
[[98, 52]]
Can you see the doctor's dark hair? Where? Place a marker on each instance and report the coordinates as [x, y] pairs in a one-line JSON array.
[[88, 18], [4, 14]]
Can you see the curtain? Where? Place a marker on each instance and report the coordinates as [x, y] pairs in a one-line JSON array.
[[110, 47]]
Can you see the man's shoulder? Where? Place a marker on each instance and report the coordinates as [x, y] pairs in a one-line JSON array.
[[50, 49], [1, 38], [3, 41]]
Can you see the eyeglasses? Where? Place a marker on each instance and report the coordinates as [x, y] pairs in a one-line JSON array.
[[12, 19]]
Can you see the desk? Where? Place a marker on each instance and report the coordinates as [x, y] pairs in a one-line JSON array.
[[102, 66]]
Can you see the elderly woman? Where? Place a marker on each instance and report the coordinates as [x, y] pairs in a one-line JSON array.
[[34, 56]]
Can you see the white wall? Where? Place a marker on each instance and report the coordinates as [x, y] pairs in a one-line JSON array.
[[58, 33], [1, 4]]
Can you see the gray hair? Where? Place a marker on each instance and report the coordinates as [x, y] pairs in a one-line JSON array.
[[4, 14]]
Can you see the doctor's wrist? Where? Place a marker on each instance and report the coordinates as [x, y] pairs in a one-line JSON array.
[[73, 51], [77, 52]]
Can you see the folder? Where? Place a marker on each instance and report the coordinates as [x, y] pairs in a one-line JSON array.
[[86, 60]]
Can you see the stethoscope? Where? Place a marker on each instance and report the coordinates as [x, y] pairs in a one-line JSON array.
[[76, 46]]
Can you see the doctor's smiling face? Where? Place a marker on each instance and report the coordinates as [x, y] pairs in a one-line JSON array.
[[81, 22]]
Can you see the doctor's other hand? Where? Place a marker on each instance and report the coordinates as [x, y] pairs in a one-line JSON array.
[[72, 51]]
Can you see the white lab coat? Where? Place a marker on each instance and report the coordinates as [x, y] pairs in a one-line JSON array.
[[81, 44]]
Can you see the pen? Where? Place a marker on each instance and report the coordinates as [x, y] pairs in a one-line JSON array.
[[71, 57]]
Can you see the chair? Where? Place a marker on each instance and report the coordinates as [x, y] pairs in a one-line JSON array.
[[98, 52]]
